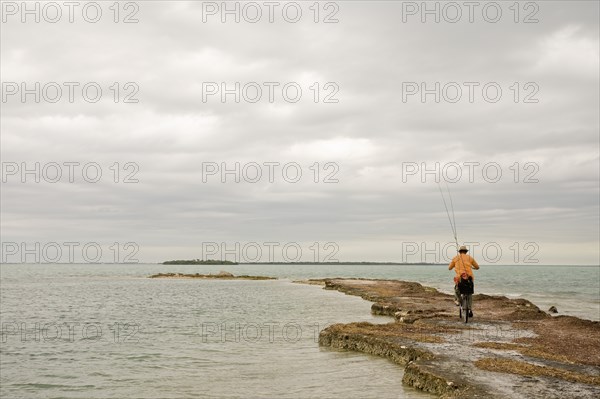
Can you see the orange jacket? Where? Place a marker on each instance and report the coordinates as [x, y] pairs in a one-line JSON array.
[[463, 263]]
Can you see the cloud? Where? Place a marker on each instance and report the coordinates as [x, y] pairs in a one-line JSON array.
[[364, 140], [568, 51]]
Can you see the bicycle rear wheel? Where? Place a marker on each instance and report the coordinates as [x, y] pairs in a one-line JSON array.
[[465, 308]]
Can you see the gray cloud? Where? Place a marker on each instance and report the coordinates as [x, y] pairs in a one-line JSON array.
[[369, 134]]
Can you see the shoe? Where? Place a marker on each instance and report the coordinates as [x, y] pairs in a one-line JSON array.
[[470, 313]]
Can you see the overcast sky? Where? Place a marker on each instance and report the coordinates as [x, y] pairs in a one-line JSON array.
[[370, 130]]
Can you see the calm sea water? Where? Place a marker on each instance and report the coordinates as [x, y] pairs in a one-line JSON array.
[[106, 331]]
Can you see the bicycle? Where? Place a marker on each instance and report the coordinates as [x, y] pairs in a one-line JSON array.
[[463, 310], [466, 293]]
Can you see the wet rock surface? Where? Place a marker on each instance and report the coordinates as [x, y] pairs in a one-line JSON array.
[[510, 349]]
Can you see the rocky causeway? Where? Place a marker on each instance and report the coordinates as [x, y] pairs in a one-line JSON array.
[[510, 349]]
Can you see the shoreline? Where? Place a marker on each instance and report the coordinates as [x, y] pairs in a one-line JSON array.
[[510, 349]]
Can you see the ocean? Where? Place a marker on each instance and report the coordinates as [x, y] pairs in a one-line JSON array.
[[107, 331]]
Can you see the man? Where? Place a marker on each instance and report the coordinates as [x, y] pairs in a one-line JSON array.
[[463, 265]]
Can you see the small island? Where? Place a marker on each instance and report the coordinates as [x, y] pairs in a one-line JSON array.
[[219, 276], [199, 262]]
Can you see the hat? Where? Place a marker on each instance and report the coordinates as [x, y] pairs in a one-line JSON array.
[[463, 248]]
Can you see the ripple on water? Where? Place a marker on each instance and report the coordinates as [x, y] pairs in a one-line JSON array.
[[183, 348]]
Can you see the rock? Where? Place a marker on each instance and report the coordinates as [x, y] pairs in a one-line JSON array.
[[336, 336], [221, 275], [435, 349], [423, 376]]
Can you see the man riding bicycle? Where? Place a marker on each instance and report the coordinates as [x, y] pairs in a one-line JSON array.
[[463, 265]]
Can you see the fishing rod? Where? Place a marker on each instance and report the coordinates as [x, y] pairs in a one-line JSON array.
[[452, 219]]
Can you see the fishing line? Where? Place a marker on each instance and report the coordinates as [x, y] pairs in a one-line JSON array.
[[451, 220]]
